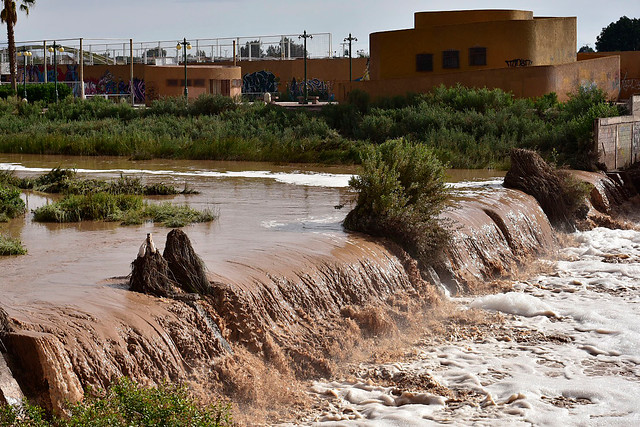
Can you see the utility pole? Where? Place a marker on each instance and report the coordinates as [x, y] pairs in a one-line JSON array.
[[305, 36], [350, 39]]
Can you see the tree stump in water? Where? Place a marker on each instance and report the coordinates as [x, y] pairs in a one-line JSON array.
[[560, 199], [150, 275], [187, 268]]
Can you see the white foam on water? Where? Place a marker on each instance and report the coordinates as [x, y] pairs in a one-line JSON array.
[[575, 359], [312, 179]]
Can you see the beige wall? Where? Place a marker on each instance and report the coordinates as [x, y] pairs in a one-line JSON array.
[[522, 81], [201, 79], [629, 70]]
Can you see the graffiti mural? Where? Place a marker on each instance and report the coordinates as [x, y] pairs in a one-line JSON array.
[[315, 87], [108, 84], [259, 82]]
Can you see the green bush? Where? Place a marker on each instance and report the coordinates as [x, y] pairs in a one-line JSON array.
[[401, 192], [11, 205], [46, 92], [6, 91], [125, 404], [211, 105], [90, 109], [9, 246]]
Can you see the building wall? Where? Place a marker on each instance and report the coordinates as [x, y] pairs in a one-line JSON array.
[[538, 41], [283, 75], [521, 81], [201, 79], [629, 70]]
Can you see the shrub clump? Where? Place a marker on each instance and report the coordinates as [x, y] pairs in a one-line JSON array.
[[401, 192], [11, 205], [124, 404], [10, 246]]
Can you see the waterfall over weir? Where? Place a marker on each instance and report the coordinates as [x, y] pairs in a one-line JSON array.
[[287, 288]]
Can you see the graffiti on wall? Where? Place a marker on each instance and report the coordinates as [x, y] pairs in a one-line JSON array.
[[107, 84], [315, 87], [517, 62], [259, 82]]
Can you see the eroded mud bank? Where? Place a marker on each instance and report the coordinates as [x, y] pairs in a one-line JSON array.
[[297, 307]]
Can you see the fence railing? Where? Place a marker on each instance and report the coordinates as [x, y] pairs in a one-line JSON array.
[[165, 52]]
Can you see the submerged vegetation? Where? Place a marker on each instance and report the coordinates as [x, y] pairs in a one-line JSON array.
[[465, 128], [125, 208], [92, 199], [126, 403], [401, 192], [10, 246]]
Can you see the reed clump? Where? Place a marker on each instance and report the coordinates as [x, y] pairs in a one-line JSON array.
[[11, 246]]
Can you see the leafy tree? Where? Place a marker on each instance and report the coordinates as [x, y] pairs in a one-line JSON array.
[[9, 16], [619, 36], [586, 49], [156, 52]]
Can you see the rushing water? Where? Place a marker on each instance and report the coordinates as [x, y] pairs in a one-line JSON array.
[[568, 352]]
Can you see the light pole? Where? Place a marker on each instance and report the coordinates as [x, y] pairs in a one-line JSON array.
[[55, 48], [350, 39], [26, 53], [305, 36], [187, 46]]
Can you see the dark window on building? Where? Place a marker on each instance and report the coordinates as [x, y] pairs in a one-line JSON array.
[[478, 56], [198, 82], [172, 82], [424, 62], [451, 59]]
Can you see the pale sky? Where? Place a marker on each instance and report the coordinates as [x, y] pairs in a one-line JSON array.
[[149, 20]]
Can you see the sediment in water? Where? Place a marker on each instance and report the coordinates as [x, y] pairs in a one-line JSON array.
[[297, 312]]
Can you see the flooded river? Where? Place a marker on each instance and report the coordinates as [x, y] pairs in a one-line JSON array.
[[567, 353]]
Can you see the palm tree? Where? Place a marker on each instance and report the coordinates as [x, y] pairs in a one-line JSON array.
[[9, 16]]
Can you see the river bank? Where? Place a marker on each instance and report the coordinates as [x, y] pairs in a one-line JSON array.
[[283, 270]]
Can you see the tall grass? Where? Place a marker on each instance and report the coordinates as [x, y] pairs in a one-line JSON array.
[[464, 127]]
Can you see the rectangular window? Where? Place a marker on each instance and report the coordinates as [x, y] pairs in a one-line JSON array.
[[451, 59], [198, 82], [424, 62], [477, 56], [172, 82]]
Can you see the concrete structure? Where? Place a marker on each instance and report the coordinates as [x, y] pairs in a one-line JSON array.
[[618, 138], [629, 70], [507, 49]]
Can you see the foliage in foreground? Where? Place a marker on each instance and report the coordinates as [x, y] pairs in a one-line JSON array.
[[10, 246], [401, 192], [125, 208], [126, 403]]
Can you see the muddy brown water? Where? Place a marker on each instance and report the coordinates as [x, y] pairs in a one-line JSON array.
[[259, 218]]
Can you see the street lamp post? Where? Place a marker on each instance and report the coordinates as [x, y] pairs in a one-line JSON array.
[[26, 53], [187, 46], [350, 39], [305, 36], [55, 48]]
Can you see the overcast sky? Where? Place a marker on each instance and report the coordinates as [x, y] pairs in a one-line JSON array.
[[148, 20]]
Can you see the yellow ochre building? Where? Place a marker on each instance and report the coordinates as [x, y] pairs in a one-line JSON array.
[[507, 49]]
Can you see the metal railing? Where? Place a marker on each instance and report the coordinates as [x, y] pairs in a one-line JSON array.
[[164, 52]]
